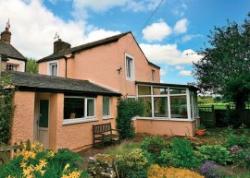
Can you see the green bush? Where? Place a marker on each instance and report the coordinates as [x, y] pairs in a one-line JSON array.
[[183, 154], [133, 164], [6, 109], [38, 162], [153, 146], [240, 140], [165, 158], [127, 109], [216, 153]]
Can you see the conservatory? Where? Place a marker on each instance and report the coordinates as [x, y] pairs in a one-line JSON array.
[[169, 108]]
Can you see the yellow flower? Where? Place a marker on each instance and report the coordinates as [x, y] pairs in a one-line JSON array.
[[51, 154], [156, 171], [74, 174], [28, 171]]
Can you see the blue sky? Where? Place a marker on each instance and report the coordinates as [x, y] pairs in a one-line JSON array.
[[170, 38]]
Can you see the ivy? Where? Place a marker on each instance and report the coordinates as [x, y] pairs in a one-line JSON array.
[[127, 109], [6, 109]]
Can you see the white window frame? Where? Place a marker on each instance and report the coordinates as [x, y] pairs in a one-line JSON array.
[[57, 68], [132, 78], [187, 94], [14, 66], [85, 118], [109, 115]]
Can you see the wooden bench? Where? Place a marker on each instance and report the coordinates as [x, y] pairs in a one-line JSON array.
[[104, 133]]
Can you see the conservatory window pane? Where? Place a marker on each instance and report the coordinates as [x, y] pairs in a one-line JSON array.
[[178, 106], [160, 91], [147, 106], [144, 90], [160, 106], [177, 90]]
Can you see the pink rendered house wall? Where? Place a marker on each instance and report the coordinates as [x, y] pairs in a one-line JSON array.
[[100, 65]]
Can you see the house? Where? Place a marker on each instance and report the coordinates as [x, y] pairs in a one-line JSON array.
[[11, 58], [78, 87]]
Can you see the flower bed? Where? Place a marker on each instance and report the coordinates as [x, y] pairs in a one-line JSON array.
[[35, 162]]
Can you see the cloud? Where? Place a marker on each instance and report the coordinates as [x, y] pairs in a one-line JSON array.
[[185, 73], [181, 26], [169, 54], [162, 72], [179, 67], [99, 34], [189, 37], [33, 27], [82, 6], [156, 31]]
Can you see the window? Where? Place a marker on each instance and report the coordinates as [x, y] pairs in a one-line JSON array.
[[106, 106], [178, 106], [160, 106], [78, 108], [167, 102], [129, 68], [53, 69], [11, 67], [153, 75]]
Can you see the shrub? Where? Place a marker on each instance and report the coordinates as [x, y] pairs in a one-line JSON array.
[[132, 165], [154, 145], [240, 157], [165, 158], [216, 153], [127, 109], [38, 162], [183, 154], [240, 140], [156, 171], [6, 109]]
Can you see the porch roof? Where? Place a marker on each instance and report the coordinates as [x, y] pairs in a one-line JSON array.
[[44, 83], [192, 87]]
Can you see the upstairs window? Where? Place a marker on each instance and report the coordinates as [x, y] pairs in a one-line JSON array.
[[153, 75], [129, 68], [53, 69], [11, 67]]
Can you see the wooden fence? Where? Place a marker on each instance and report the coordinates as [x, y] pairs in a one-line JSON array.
[[212, 116], [8, 151]]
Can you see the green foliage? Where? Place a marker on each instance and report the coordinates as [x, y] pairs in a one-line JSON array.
[[153, 146], [241, 158], [133, 164], [240, 140], [229, 49], [43, 163], [127, 109], [183, 154], [216, 153], [32, 66], [6, 109]]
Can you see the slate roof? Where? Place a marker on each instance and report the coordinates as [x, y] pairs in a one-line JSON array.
[[44, 83], [7, 50], [86, 46], [83, 47]]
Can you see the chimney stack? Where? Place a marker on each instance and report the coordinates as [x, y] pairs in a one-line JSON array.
[[6, 34], [60, 45]]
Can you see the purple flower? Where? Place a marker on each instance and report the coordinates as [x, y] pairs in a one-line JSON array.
[[208, 169]]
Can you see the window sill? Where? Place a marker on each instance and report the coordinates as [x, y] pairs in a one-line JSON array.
[[107, 117], [79, 121], [163, 119]]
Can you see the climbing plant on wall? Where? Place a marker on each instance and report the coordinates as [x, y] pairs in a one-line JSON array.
[[6, 108]]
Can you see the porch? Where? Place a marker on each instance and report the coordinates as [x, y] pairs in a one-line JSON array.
[[170, 109]]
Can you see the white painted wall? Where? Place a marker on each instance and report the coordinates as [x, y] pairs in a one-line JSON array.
[[21, 64]]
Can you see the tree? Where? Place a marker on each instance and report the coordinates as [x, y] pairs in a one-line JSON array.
[[225, 66], [31, 66]]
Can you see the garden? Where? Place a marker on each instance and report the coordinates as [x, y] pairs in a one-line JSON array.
[[220, 153]]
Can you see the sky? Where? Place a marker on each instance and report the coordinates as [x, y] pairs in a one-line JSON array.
[[170, 32]]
